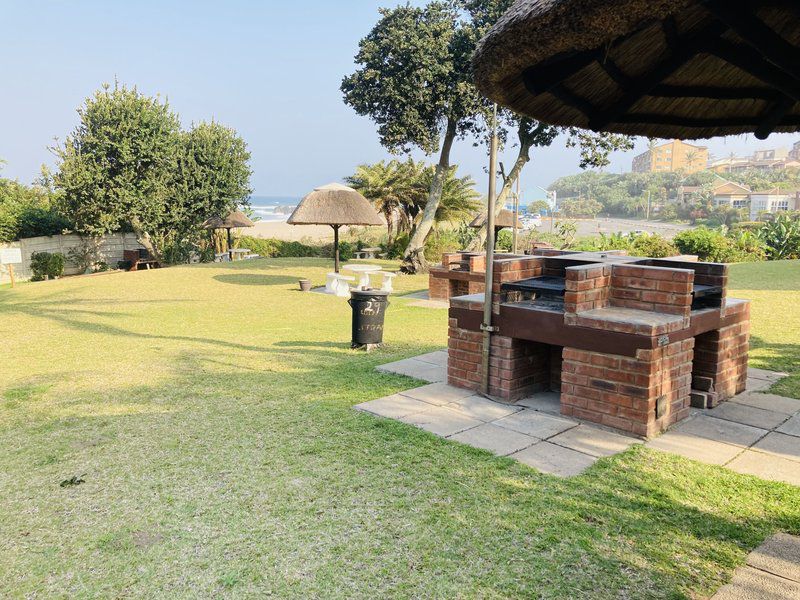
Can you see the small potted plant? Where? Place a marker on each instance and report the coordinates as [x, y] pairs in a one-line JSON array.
[[305, 285]]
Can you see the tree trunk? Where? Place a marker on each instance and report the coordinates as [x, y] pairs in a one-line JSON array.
[[414, 256], [144, 239]]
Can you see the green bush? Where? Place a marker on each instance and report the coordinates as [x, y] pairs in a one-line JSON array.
[[439, 242], [45, 265], [781, 238], [710, 245], [653, 246], [505, 240], [396, 249]]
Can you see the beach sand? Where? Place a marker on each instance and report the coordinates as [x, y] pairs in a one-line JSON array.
[[281, 230]]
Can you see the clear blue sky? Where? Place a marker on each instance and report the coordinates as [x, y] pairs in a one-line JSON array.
[[269, 69]]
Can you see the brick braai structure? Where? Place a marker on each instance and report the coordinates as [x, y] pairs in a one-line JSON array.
[[628, 342]]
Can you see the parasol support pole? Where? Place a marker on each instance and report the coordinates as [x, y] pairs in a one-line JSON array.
[[335, 248], [230, 244], [486, 326]]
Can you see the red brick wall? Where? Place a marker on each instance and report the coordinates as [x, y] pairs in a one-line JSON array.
[[512, 269], [722, 355], [517, 368], [655, 289], [438, 287], [586, 288], [623, 392]]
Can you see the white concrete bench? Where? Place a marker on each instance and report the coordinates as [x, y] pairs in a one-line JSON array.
[[337, 284], [386, 282]]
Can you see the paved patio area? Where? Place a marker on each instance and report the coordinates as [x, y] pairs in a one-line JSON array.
[[422, 299], [772, 572], [754, 433]]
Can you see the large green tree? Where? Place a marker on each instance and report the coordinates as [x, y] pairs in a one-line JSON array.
[[414, 81], [128, 164], [212, 176]]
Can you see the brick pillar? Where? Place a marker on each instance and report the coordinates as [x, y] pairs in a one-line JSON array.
[[517, 368], [722, 355], [643, 395], [463, 357]]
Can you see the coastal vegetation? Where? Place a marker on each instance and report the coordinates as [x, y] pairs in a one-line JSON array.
[[200, 418], [128, 164]]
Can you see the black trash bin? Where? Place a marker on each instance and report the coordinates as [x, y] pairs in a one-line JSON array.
[[369, 308]]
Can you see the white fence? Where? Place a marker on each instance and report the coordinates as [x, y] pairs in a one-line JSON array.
[[111, 249]]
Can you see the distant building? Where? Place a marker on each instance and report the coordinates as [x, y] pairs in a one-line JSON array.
[[672, 156], [773, 201], [762, 160], [727, 193]]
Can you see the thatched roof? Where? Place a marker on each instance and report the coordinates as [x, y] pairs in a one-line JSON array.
[[504, 219], [235, 219], [661, 68], [335, 204]]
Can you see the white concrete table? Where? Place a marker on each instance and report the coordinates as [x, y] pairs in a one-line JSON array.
[[363, 272]]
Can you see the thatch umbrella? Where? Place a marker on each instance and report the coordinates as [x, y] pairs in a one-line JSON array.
[[234, 220], [502, 221], [335, 205], [686, 69]]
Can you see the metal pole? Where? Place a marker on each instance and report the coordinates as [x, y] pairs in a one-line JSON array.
[[335, 248], [516, 216], [486, 326]]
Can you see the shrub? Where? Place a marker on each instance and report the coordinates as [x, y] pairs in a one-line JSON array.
[[653, 246], [505, 240], [781, 238], [440, 242], [397, 247], [45, 265], [710, 245]]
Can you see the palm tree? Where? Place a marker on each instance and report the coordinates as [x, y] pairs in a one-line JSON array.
[[392, 187], [459, 200]]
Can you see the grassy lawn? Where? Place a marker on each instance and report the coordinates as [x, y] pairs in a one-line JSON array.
[[208, 410]]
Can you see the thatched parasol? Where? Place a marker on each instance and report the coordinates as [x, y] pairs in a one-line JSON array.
[[502, 221], [234, 220], [660, 68], [335, 205]]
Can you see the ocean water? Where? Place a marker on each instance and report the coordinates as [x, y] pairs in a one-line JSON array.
[[273, 208]]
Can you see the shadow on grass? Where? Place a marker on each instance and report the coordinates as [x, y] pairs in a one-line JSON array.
[[284, 451], [255, 279]]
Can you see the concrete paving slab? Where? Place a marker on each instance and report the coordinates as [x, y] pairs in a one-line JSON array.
[[593, 441], [695, 447], [766, 466], [429, 304], [779, 555], [549, 402], [394, 406], [758, 385], [407, 366], [483, 409], [721, 430], [791, 427], [780, 444], [496, 439], [439, 357], [788, 406], [751, 584], [754, 373], [441, 421], [537, 424], [418, 369], [748, 415], [439, 394], [554, 460]]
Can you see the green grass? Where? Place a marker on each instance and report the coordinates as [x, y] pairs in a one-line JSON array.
[[208, 410], [774, 289]]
